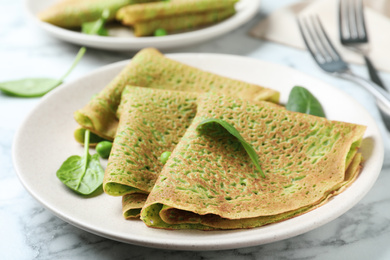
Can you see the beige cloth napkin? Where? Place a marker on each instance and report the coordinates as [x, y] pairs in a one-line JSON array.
[[281, 26]]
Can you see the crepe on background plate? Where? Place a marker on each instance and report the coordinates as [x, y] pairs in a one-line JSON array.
[[174, 15], [209, 181], [73, 13], [149, 68], [151, 122]]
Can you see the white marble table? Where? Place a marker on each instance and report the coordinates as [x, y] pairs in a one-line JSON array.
[[29, 231]]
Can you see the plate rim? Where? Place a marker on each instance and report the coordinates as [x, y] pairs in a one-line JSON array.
[[196, 246]]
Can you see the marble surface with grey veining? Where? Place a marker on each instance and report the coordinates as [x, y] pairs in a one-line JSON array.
[[29, 231]]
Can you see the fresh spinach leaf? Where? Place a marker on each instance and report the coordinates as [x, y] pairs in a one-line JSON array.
[[233, 131], [83, 174], [301, 100], [97, 27], [36, 87]]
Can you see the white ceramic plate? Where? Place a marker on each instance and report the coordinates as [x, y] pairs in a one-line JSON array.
[[45, 140], [246, 9]]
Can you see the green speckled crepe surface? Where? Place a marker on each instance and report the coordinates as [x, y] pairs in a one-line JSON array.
[[151, 122], [145, 12], [209, 181], [73, 13], [149, 68], [184, 22]]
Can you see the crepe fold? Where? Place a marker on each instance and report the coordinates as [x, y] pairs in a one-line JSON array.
[[209, 181], [151, 122], [175, 15], [73, 13], [182, 22], [149, 68]]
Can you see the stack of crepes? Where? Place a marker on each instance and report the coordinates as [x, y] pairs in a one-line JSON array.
[[73, 13], [174, 15], [144, 16], [149, 68], [209, 181]]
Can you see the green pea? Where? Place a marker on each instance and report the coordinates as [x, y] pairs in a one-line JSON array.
[[164, 157], [160, 32], [103, 148]]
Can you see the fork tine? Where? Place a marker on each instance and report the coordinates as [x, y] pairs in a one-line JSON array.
[[315, 40], [309, 43], [351, 21], [320, 46], [361, 25], [344, 21], [326, 43]]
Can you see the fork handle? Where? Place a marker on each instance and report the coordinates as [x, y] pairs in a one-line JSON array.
[[373, 72], [378, 92]]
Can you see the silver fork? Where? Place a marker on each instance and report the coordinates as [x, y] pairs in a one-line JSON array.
[[353, 33], [327, 58]]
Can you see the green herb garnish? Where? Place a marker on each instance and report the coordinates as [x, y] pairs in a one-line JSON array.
[[36, 87], [301, 100], [97, 27], [82, 174], [233, 131]]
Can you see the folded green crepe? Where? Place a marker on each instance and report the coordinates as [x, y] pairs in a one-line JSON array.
[[132, 204], [145, 12], [151, 122], [73, 13], [182, 22], [210, 182], [149, 68]]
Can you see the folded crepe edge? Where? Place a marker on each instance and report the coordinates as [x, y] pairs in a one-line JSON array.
[[181, 22], [186, 100], [132, 205], [158, 215], [133, 14], [155, 213]]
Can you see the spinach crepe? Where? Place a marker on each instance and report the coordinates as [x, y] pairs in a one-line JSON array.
[[149, 68], [173, 24], [73, 13], [132, 204], [175, 15], [151, 122], [210, 182]]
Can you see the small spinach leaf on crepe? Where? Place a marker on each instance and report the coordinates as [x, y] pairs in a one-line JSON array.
[[301, 100], [36, 87], [233, 131], [83, 174], [97, 27]]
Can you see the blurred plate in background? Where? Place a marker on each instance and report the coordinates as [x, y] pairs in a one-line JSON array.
[[125, 41]]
